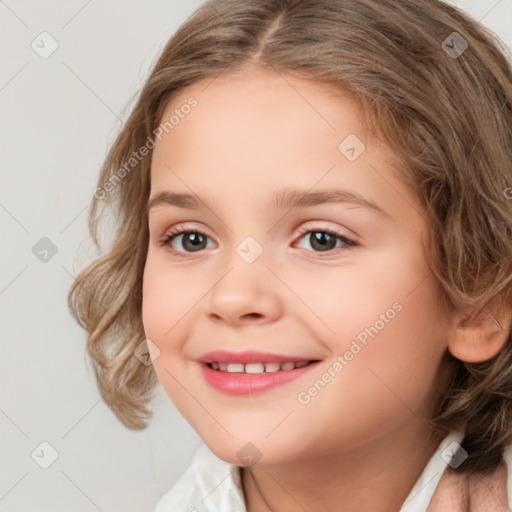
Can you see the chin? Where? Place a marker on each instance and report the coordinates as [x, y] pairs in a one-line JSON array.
[[244, 452]]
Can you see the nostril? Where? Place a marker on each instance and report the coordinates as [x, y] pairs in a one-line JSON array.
[[253, 315]]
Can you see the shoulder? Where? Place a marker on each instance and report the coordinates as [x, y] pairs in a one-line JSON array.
[[492, 491], [426, 485], [208, 484], [437, 485]]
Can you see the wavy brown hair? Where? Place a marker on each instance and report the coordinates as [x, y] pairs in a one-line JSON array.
[[447, 117]]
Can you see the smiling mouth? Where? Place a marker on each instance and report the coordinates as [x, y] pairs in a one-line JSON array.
[[248, 378], [255, 368]]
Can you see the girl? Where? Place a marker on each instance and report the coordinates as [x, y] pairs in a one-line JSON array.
[[313, 256]]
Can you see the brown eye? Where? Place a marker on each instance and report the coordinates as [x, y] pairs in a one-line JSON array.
[[321, 240], [191, 240], [325, 240]]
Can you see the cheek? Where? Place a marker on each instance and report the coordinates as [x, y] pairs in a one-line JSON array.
[[371, 290], [397, 369], [161, 314], [151, 299], [160, 305], [166, 297], [383, 312]]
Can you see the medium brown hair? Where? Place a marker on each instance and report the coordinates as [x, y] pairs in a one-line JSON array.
[[447, 117]]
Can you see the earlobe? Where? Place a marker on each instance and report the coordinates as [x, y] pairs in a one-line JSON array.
[[478, 339]]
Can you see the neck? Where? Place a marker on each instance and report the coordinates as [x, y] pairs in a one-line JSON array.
[[378, 475]]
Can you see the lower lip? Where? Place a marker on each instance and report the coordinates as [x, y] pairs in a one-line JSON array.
[[250, 383]]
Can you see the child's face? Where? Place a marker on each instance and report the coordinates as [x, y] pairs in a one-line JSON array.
[[307, 295]]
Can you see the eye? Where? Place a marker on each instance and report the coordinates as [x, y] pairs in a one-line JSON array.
[[325, 239], [321, 239], [193, 240]]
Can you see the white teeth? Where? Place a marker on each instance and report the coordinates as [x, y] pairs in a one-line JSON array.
[[272, 367], [235, 367], [257, 367], [254, 368]]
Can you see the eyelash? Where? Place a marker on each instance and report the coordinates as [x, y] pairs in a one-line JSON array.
[[177, 231]]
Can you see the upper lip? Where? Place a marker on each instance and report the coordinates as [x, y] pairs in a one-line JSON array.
[[249, 356]]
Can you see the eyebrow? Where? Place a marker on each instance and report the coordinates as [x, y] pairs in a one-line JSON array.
[[284, 198]]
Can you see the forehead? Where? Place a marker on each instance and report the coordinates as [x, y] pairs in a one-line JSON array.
[[263, 87], [253, 133], [255, 119], [267, 95]]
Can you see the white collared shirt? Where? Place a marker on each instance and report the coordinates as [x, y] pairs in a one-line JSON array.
[[212, 485]]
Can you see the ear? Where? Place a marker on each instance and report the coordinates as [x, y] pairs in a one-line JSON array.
[[482, 337]]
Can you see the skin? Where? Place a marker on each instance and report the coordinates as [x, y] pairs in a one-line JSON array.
[[362, 442]]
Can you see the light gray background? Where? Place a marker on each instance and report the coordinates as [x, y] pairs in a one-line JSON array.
[[58, 116]]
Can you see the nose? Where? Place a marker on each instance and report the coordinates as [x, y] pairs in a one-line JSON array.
[[246, 292]]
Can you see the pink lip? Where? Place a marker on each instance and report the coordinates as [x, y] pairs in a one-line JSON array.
[[249, 356], [250, 383]]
